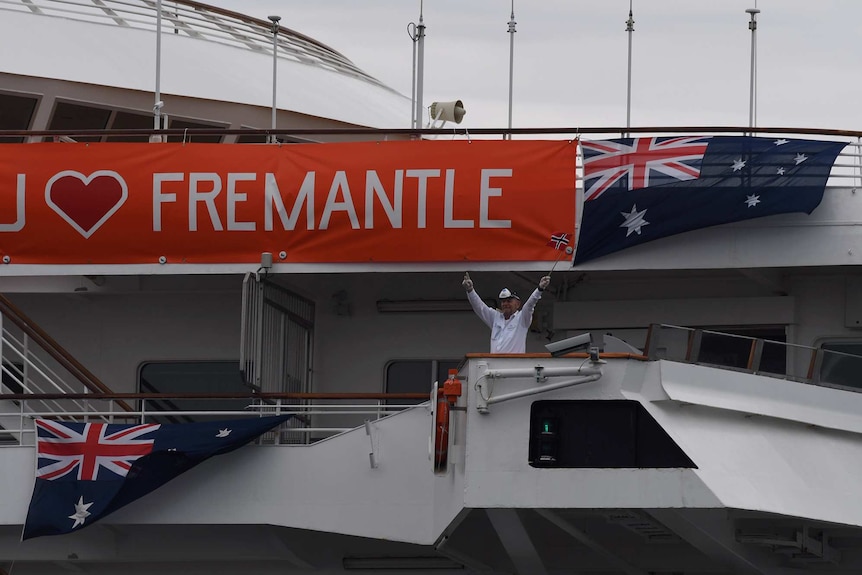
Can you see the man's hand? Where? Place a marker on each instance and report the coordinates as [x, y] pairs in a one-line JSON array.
[[468, 283], [543, 283]]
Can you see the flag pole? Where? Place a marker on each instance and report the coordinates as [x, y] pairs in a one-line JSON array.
[[630, 27], [567, 251], [420, 68], [511, 65], [752, 102]]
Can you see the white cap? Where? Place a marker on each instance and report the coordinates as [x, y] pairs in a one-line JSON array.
[[506, 293]]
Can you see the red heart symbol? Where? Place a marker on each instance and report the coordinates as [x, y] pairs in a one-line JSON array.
[[86, 202]]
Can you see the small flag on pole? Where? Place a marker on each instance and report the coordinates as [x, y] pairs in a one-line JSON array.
[[559, 240]]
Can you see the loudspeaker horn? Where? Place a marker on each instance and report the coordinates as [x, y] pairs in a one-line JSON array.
[[447, 111]]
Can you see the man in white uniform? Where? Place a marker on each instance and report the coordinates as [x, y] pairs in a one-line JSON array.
[[509, 325]]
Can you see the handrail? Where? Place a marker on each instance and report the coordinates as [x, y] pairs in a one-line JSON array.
[[249, 395], [467, 132], [57, 352], [804, 365]]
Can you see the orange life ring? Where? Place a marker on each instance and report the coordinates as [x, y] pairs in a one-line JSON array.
[[441, 435]]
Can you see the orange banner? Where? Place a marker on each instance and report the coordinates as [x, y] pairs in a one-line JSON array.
[[422, 201]]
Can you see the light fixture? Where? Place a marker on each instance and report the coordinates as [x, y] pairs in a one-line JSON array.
[[583, 342], [426, 305], [430, 562]]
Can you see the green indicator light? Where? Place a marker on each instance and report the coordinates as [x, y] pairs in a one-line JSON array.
[[547, 427]]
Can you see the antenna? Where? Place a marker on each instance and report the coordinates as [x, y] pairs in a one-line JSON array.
[[752, 102], [411, 31], [511, 65], [417, 34], [630, 27]]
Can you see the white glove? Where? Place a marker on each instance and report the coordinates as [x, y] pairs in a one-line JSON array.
[[467, 283], [543, 283]]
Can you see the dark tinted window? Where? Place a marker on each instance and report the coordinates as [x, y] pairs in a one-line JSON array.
[[417, 376], [192, 377], [16, 113], [181, 124], [840, 369], [68, 116], [130, 121], [600, 434]]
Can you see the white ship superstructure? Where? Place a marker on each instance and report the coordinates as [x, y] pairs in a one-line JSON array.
[[708, 424]]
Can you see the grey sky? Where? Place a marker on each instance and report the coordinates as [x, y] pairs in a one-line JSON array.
[[690, 57]]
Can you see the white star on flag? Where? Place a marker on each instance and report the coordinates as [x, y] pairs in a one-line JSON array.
[[223, 432], [81, 512], [752, 200], [738, 164], [780, 142], [780, 171], [634, 221], [800, 158]]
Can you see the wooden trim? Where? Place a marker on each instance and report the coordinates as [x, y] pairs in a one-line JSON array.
[[251, 395], [609, 355], [56, 351]]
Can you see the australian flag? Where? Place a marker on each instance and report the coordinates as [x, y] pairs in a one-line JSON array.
[[640, 189], [85, 471]]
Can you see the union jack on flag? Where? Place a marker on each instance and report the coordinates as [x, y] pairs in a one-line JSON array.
[[559, 240], [84, 450], [86, 471], [634, 163]]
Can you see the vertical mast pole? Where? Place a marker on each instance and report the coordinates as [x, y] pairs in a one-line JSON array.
[[630, 27], [275, 20], [420, 66], [752, 97], [157, 104], [511, 64]]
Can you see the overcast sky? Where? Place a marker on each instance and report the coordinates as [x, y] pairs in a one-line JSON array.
[[691, 58]]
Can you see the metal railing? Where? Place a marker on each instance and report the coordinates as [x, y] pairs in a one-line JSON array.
[[32, 362], [321, 415], [846, 171], [276, 340], [754, 355]]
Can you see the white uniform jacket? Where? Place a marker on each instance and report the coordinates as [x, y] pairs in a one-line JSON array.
[[507, 335]]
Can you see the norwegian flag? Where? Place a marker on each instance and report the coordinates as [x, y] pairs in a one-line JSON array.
[[559, 240], [634, 163], [86, 450]]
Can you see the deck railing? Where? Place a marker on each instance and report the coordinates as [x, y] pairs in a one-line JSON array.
[[31, 361], [846, 171], [320, 414], [754, 355]]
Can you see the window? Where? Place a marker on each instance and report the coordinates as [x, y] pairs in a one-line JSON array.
[[417, 376], [68, 116], [734, 352], [16, 112], [178, 124], [600, 434], [130, 121], [192, 377], [842, 363]]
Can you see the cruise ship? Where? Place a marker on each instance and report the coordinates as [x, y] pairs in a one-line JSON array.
[[686, 406]]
